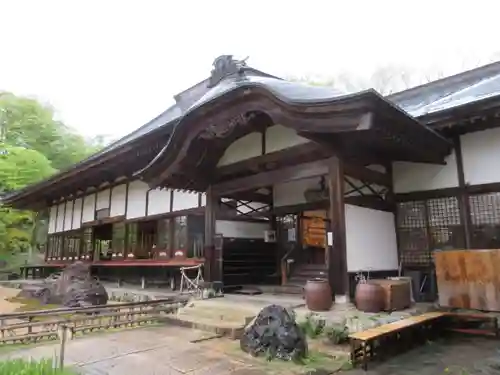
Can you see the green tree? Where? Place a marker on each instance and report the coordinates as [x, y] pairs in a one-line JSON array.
[[34, 144], [27, 123], [19, 167]]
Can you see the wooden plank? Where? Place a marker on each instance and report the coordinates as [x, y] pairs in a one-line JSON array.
[[468, 279]]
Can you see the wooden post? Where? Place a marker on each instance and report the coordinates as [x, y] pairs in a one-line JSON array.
[[463, 198], [337, 257], [63, 335], [210, 208]]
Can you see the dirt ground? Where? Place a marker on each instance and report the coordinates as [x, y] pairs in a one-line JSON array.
[[6, 306]]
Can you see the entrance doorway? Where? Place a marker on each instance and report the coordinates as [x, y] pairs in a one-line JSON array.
[[313, 236], [103, 236]]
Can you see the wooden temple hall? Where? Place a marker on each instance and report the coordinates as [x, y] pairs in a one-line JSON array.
[[265, 181]]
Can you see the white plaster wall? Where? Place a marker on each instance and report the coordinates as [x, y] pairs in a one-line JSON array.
[[481, 156], [60, 217], [136, 200], [184, 200], [241, 229], [279, 137], [118, 200], [159, 201], [88, 208], [248, 146], [77, 214], [290, 193], [52, 219], [68, 215], [370, 240], [408, 177], [102, 200]]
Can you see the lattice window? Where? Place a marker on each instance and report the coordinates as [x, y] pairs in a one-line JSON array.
[[413, 233], [485, 218], [445, 224], [424, 226]]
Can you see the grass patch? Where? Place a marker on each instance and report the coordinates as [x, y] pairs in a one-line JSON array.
[[30, 304], [23, 367]]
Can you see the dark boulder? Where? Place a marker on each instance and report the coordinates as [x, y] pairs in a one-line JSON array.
[[87, 292], [73, 287], [275, 334]]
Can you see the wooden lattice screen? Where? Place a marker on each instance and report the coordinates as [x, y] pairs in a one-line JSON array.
[[485, 219], [427, 225]]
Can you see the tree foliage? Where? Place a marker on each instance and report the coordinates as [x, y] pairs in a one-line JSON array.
[[34, 144], [19, 167], [27, 123]]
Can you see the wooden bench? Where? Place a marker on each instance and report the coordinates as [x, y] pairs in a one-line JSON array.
[[401, 334], [459, 319]]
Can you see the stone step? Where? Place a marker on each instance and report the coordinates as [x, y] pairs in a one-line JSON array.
[[215, 314], [230, 329], [216, 317], [310, 274], [319, 267]]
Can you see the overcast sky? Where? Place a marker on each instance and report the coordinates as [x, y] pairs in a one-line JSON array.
[[109, 66]]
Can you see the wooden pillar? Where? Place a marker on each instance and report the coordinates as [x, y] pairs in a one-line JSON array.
[[337, 257], [463, 198], [209, 247], [391, 200]]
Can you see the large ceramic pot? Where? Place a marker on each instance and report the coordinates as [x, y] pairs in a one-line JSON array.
[[369, 297], [318, 295]]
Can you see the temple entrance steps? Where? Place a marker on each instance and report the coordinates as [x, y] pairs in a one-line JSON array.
[[303, 272]]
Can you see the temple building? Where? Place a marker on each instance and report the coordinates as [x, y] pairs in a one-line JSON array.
[[266, 181]]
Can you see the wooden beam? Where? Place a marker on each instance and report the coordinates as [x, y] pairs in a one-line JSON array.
[[252, 197], [297, 172], [306, 152], [367, 175], [337, 254]]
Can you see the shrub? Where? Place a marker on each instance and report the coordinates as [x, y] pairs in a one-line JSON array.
[[313, 325], [337, 333]]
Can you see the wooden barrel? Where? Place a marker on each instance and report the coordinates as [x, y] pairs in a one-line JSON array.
[[369, 297], [318, 295]]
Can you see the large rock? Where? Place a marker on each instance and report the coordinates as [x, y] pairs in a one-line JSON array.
[[73, 287], [275, 334]]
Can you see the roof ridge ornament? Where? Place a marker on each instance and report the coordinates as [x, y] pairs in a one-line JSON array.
[[224, 66]]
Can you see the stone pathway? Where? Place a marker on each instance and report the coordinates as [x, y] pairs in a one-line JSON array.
[[145, 351], [466, 355]]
